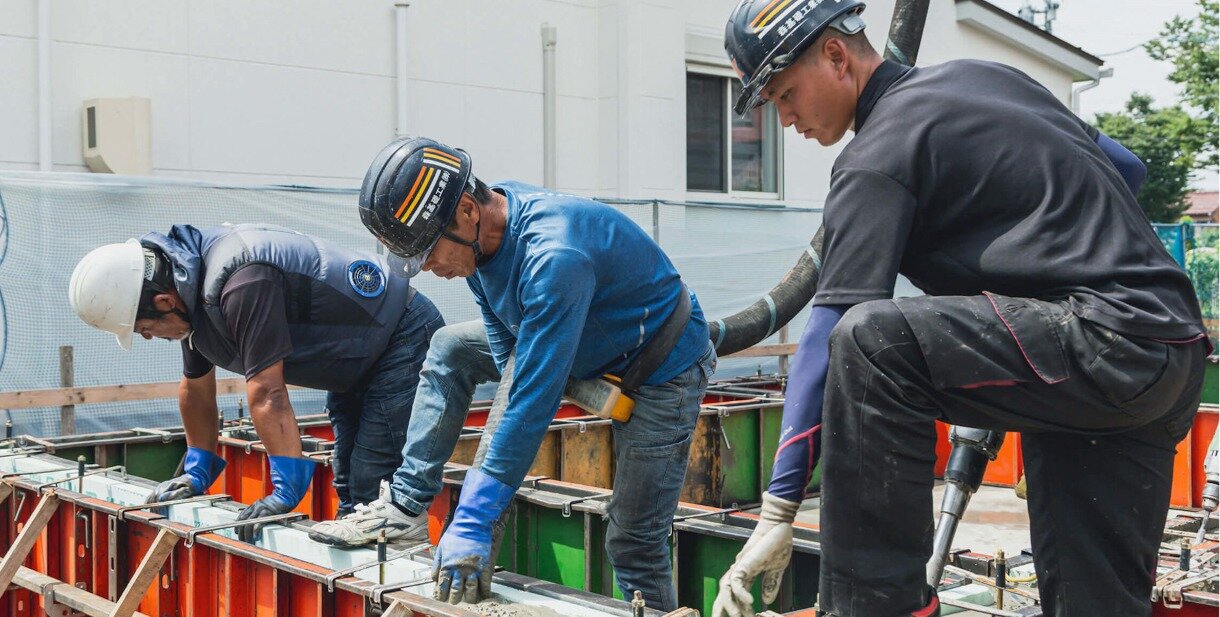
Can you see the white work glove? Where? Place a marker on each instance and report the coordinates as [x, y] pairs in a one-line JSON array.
[[766, 552]]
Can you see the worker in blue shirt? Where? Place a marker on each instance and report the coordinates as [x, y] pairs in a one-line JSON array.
[[1052, 309], [569, 287]]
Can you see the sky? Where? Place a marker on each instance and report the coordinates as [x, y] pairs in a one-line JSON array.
[[1115, 31]]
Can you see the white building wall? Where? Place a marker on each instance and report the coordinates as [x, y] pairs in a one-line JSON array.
[[303, 91]]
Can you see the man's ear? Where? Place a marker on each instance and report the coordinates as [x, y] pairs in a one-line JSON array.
[[836, 51], [166, 302], [468, 208]]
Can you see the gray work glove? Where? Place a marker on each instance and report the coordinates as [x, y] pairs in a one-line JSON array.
[[766, 552], [173, 489]]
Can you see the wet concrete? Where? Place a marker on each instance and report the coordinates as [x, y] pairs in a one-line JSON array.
[[498, 606]]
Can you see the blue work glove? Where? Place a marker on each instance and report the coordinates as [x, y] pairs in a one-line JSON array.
[[200, 471], [463, 563], [291, 478]]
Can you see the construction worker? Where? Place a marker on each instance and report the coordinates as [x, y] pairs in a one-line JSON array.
[[1052, 310], [278, 307], [571, 287]]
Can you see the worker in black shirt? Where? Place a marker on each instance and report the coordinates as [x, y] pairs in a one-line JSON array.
[[1052, 310], [278, 307]]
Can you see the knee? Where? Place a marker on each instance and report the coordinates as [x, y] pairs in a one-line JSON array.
[[869, 327], [446, 342], [635, 543]]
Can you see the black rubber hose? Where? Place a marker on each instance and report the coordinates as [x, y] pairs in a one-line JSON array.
[[774, 310], [906, 31]]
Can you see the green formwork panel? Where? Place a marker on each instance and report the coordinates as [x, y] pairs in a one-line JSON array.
[[702, 560], [559, 554], [72, 453], [1211, 383], [542, 543], [155, 461], [772, 419], [739, 461]]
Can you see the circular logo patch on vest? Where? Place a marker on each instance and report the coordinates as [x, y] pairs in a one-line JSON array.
[[366, 278]]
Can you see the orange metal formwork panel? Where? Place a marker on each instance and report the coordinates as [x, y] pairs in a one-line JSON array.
[[1180, 490], [1200, 440]]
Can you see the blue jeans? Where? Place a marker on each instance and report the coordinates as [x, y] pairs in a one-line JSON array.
[[370, 420], [652, 451]]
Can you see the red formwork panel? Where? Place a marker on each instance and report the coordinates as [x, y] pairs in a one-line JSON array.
[[437, 512]]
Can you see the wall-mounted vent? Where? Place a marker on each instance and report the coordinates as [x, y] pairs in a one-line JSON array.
[[117, 135]]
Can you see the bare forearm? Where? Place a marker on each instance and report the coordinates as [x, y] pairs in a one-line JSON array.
[[275, 422], [197, 404]]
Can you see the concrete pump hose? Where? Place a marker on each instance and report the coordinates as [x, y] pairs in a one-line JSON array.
[[763, 318]]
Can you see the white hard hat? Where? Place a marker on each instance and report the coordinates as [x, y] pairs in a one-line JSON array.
[[105, 288]]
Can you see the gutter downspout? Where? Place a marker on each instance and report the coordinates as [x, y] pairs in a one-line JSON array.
[[1089, 85], [44, 85], [548, 105], [400, 47]]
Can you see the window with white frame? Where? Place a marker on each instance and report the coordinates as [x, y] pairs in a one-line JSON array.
[[726, 153]]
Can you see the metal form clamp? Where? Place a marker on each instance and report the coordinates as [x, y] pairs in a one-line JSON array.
[[40, 487], [338, 574], [208, 499], [567, 505], [192, 534]]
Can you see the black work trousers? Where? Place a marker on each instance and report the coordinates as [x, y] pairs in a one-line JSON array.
[[1099, 414]]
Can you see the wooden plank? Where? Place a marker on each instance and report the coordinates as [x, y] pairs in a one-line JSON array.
[[55, 397], [148, 571], [758, 351], [398, 609], [5, 490], [59, 397], [25, 540], [62, 593]]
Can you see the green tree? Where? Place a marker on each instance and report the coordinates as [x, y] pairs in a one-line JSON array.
[[1167, 140], [1191, 46]]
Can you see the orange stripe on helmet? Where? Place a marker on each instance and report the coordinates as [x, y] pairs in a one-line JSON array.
[[769, 12], [445, 156], [417, 198], [410, 194]]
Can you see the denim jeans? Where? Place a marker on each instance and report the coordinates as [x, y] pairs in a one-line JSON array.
[[651, 450], [370, 420]]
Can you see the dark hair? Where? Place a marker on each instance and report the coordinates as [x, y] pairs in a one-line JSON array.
[[481, 195], [857, 43], [158, 279]]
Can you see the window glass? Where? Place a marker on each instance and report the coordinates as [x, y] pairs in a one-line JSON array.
[[705, 135], [754, 147]]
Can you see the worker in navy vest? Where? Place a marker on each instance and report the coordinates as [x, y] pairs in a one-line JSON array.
[[280, 308]]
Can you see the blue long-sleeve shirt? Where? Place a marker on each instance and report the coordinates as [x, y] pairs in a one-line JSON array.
[[578, 289]]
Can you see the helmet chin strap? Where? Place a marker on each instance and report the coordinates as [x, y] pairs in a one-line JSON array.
[[479, 257]]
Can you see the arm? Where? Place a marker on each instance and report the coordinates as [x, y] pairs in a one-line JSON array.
[[197, 405], [253, 306], [800, 438], [271, 411], [1129, 166], [556, 290], [499, 339]]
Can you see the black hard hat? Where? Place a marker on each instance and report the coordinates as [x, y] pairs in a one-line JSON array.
[[763, 37], [411, 192]]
